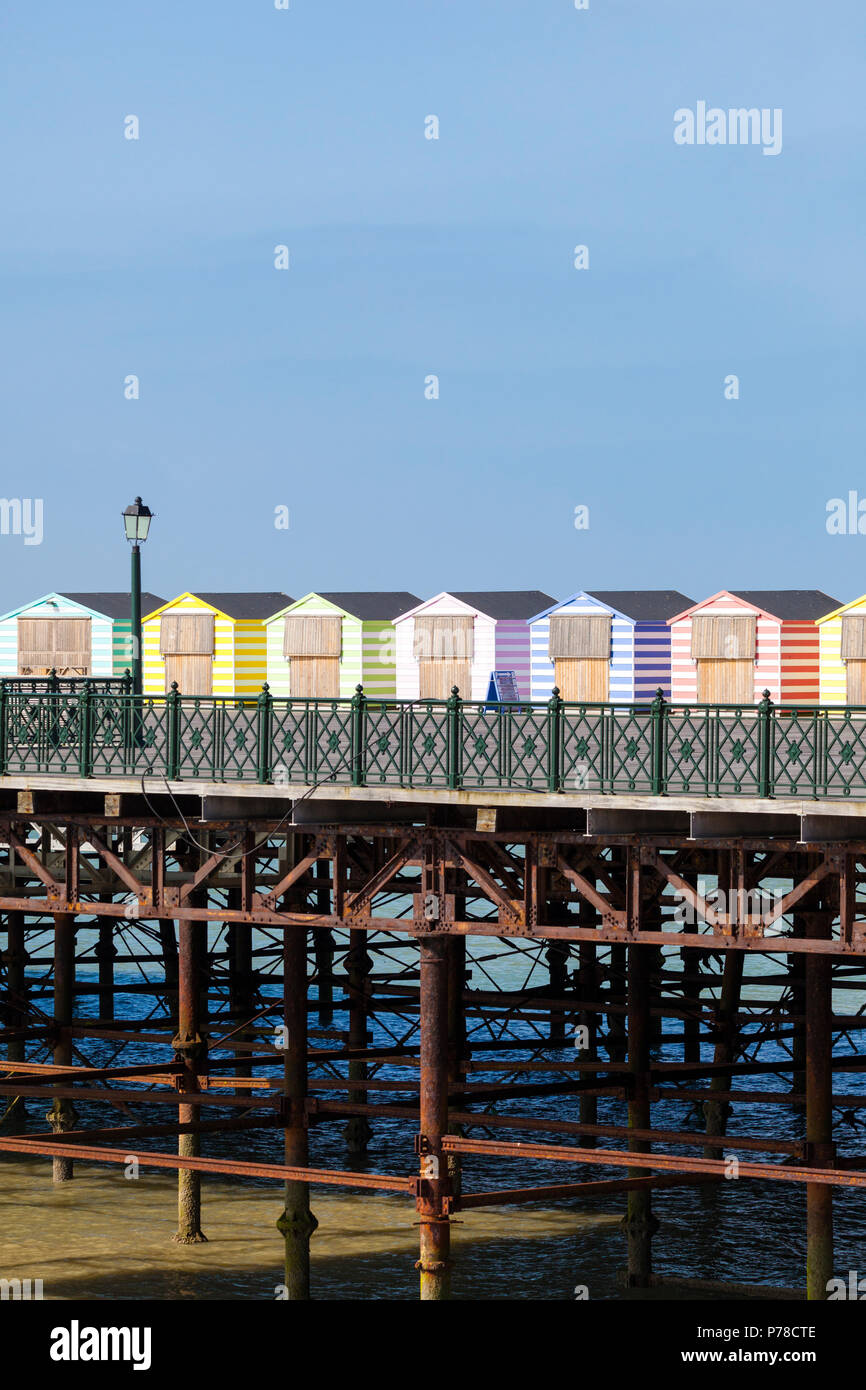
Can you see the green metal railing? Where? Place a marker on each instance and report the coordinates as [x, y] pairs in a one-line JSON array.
[[654, 748], [67, 685]]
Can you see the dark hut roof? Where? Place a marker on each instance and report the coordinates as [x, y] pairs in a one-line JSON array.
[[644, 605], [377, 607], [114, 605], [803, 604], [255, 605], [506, 603]]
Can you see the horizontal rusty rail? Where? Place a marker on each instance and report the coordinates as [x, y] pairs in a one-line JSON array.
[[711, 1167], [220, 1167]]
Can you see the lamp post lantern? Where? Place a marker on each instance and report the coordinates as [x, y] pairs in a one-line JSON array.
[[136, 522]]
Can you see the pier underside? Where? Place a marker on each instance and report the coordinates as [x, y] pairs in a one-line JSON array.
[[599, 1000]]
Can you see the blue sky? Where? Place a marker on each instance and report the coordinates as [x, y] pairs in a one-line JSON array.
[[305, 388]]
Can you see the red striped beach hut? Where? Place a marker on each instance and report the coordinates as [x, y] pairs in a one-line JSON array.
[[730, 648]]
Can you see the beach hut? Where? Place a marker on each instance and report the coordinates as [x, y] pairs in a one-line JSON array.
[[605, 645], [325, 645], [731, 647], [842, 654], [211, 644], [72, 634], [462, 639]]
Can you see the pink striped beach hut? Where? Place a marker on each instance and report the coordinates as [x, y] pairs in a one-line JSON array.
[[461, 639]]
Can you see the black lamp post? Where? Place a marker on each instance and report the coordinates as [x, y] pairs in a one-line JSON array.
[[136, 521]]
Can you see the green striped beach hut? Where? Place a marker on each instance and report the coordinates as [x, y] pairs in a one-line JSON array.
[[324, 645], [73, 634]]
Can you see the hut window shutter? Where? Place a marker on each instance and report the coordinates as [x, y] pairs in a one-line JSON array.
[[574, 635], [720, 637], [854, 638], [312, 634], [62, 643], [444, 638], [186, 634]]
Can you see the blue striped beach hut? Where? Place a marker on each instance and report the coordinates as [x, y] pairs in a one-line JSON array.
[[608, 644]]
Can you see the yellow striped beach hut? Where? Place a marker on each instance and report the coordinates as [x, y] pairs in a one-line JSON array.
[[211, 644], [842, 654]]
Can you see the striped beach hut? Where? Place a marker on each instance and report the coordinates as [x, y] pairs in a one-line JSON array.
[[325, 645], [211, 644], [608, 644], [72, 634], [731, 647], [461, 639], [842, 654]]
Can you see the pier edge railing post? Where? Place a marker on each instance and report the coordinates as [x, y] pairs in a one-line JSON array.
[[554, 741], [657, 741], [766, 718], [454, 717], [85, 750], [359, 709], [264, 706], [172, 705]]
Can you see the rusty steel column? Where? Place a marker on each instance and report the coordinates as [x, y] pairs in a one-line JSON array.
[[639, 1222], [433, 1187], [691, 999], [241, 988], [587, 988], [297, 1222], [616, 1044], [557, 955], [820, 1148], [62, 1115], [323, 946], [357, 1131], [106, 952], [797, 972], [15, 1014], [457, 1050], [168, 945], [726, 1032], [189, 1047]]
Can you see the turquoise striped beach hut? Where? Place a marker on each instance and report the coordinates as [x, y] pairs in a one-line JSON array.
[[605, 645], [73, 634]]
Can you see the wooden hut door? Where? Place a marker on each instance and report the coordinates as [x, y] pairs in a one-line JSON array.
[[853, 652], [444, 645], [582, 678], [186, 644], [436, 678], [726, 682], [723, 647], [59, 644], [314, 677], [312, 645], [193, 673], [579, 646]]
